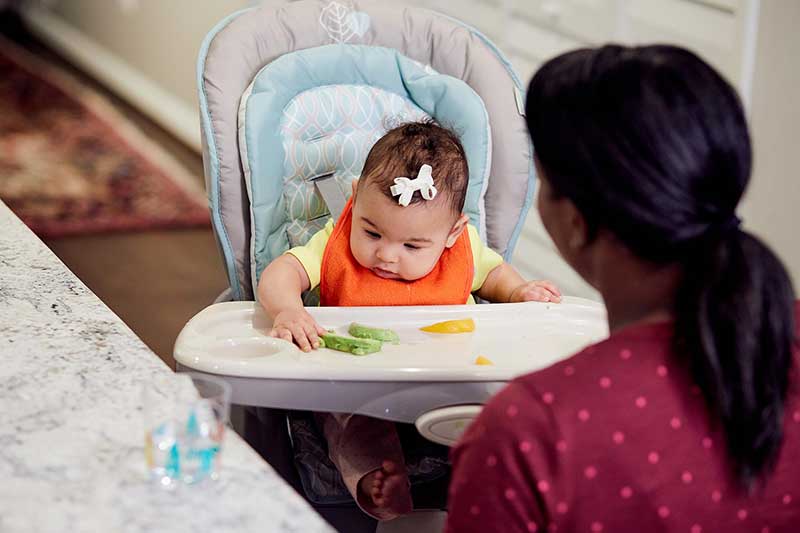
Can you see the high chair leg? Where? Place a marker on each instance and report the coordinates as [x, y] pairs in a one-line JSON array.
[[266, 431]]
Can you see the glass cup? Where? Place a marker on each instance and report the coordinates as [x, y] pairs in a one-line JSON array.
[[184, 427]]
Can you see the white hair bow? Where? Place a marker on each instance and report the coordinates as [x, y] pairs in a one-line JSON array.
[[405, 188]]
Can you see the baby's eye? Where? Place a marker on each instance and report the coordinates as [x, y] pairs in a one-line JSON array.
[[372, 234], [412, 246]]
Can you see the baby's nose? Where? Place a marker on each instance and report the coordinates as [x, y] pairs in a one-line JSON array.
[[386, 254]]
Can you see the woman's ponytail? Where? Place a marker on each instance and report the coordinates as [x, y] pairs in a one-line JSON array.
[[735, 328]]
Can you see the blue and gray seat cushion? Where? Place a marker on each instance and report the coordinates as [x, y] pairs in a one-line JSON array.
[[319, 111]]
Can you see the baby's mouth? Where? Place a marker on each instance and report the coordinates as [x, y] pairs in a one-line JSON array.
[[386, 274]]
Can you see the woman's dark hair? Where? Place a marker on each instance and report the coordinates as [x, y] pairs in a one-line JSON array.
[[652, 144]]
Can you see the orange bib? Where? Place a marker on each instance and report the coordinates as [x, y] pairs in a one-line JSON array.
[[345, 283]]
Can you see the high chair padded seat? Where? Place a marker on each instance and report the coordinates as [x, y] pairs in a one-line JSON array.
[[243, 44], [317, 111]]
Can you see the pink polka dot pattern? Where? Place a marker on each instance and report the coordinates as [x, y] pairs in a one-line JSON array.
[[675, 422], [561, 446], [653, 458], [532, 527], [696, 529], [605, 382], [597, 527], [641, 402], [590, 472], [583, 415], [548, 398], [741, 514], [510, 494], [707, 443], [618, 437], [512, 410], [525, 446], [625, 354], [552, 527], [569, 370], [625, 492], [543, 486], [796, 416], [474, 510], [663, 511], [662, 371], [687, 477], [716, 496], [765, 529], [491, 461], [787, 499], [561, 507]]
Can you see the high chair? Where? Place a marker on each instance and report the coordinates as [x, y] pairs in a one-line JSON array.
[[291, 101]]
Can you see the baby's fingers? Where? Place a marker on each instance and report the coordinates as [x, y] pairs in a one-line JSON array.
[[300, 337], [281, 333], [537, 294], [552, 296], [311, 333], [550, 286]]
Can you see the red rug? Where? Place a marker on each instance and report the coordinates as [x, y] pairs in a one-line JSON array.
[[70, 164]]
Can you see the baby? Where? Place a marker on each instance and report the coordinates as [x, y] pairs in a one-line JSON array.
[[402, 239]]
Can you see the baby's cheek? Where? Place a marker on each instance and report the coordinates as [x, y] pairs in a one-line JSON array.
[[421, 264], [360, 251]]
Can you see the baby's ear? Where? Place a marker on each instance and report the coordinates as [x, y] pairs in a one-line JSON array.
[[354, 184], [455, 232]]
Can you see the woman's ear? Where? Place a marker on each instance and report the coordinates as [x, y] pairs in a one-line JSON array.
[[577, 228], [455, 232]]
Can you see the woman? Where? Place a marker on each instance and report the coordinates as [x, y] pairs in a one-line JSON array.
[[687, 417]]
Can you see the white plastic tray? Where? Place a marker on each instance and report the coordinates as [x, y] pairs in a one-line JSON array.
[[232, 339]]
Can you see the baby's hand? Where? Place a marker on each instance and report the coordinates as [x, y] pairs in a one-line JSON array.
[[299, 326], [536, 291]]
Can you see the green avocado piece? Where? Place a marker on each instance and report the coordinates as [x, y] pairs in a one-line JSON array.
[[365, 332], [347, 344]]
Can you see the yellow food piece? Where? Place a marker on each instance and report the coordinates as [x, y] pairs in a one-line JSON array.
[[451, 326], [481, 360]]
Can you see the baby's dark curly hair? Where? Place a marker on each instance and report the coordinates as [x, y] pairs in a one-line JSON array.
[[403, 151]]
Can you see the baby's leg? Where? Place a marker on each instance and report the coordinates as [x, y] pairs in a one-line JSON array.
[[367, 452]]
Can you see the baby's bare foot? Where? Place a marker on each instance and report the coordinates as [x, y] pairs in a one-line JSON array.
[[388, 490]]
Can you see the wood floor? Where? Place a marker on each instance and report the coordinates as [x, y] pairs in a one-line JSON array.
[[156, 280]]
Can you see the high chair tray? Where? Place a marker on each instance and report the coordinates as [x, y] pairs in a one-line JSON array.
[[232, 338], [402, 381]]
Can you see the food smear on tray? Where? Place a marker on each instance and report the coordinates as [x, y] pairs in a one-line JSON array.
[[379, 334], [464, 325]]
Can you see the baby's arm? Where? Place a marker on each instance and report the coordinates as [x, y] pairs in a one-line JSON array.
[[280, 292], [504, 284]]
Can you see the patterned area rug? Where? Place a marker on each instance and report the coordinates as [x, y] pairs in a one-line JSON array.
[[70, 164]]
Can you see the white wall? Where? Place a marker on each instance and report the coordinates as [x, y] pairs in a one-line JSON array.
[[771, 208], [145, 50], [160, 38]]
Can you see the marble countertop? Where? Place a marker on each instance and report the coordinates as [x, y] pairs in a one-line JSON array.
[[71, 428]]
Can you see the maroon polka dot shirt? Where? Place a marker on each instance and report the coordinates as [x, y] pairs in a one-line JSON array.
[[614, 439]]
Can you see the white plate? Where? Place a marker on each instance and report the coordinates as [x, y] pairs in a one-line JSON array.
[[232, 339]]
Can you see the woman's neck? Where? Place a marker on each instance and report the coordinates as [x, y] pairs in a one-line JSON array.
[[635, 291]]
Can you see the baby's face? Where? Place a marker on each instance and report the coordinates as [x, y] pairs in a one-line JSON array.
[[397, 242]]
